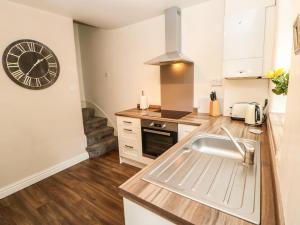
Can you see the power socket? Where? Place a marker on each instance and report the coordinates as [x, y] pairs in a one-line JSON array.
[[216, 82]]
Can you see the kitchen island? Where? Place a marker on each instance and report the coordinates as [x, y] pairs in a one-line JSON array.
[[177, 209]]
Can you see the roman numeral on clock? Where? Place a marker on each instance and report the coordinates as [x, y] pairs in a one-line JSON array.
[[52, 65], [52, 73], [31, 46], [41, 49], [12, 64], [12, 54], [38, 82], [21, 48], [18, 74], [27, 81], [47, 78]]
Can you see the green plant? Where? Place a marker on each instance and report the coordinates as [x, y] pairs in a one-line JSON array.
[[281, 80]]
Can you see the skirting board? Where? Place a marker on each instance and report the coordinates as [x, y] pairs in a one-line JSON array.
[[132, 162], [32, 179]]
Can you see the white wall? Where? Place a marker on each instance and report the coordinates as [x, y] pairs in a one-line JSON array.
[[251, 90], [284, 34], [282, 49], [79, 64], [289, 159], [203, 34], [122, 53], [38, 128], [113, 64]]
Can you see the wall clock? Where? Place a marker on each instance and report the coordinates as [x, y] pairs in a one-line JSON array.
[[30, 64]]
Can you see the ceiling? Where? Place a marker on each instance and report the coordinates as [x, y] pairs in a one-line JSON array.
[[107, 14]]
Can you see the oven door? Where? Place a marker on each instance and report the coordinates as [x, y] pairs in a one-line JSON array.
[[156, 142]]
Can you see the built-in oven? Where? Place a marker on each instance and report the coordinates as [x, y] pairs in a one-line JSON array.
[[157, 137]]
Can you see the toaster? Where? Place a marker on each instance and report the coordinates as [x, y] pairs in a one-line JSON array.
[[251, 112], [238, 111], [254, 114]]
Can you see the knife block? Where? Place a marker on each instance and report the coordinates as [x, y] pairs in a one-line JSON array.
[[214, 108]]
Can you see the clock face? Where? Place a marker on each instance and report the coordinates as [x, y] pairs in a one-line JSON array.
[[30, 64]]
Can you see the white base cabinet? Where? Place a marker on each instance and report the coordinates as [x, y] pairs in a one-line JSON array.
[[129, 137], [130, 142], [138, 215]]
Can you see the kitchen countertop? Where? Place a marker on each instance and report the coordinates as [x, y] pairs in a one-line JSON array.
[[182, 210], [190, 119]]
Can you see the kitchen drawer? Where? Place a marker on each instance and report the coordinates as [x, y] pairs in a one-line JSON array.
[[184, 130], [129, 148], [129, 132], [127, 122]]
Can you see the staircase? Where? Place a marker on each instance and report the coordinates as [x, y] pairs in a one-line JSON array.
[[100, 137]]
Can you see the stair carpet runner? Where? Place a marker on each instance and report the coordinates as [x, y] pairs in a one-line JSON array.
[[100, 137]]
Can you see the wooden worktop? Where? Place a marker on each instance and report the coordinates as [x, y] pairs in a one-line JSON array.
[[190, 119], [182, 210]]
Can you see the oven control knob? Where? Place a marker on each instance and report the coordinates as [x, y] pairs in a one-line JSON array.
[[163, 126], [151, 124]]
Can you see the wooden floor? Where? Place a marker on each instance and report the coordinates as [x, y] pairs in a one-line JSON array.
[[85, 194]]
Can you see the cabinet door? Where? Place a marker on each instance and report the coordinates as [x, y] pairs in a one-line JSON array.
[[137, 215], [127, 122], [184, 130], [244, 34], [129, 148]]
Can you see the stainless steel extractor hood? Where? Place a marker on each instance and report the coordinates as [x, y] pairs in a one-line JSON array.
[[173, 40]]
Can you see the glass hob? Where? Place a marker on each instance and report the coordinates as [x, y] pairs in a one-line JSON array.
[[172, 114]]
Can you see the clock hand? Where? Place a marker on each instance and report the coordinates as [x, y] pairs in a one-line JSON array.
[[34, 65]]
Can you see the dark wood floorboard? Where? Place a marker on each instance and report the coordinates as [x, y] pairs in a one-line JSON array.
[[85, 194]]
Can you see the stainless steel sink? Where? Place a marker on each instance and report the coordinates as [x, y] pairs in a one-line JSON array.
[[210, 170]]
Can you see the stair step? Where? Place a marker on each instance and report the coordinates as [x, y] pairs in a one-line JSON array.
[[94, 123], [106, 145], [87, 113], [97, 135], [94, 120]]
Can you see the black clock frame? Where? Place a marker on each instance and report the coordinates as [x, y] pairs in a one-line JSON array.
[[6, 69]]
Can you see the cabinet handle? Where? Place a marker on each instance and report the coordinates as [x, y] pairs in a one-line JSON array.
[[157, 132], [128, 122], [128, 146], [129, 130]]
